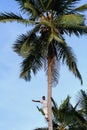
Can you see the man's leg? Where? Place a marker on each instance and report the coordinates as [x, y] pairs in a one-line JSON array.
[[46, 114]]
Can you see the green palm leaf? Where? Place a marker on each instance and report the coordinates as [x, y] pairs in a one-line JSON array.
[[29, 65], [75, 26], [65, 53], [24, 43], [31, 8], [81, 8], [78, 30], [83, 101], [70, 20], [63, 6], [33, 62], [11, 17]]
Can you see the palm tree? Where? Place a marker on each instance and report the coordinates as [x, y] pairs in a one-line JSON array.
[[45, 45], [65, 115], [68, 117], [79, 112], [71, 118]]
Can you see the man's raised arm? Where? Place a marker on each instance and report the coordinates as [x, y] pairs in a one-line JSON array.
[[35, 100]]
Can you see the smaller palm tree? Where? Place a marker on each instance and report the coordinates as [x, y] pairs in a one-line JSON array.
[[71, 118], [83, 106], [67, 117], [63, 115]]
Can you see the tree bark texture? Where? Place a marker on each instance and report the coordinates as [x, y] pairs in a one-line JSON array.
[[50, 127]]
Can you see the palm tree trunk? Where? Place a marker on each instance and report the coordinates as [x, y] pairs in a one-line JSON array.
[[50, 127]]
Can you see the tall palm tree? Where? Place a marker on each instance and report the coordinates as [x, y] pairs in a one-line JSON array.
[[45, 43]]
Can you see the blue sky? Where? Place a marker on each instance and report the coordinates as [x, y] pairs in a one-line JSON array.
[[17, 111]]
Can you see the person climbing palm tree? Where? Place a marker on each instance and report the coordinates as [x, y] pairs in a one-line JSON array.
[[44, 102]]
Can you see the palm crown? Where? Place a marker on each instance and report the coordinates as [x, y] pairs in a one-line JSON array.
[[51, 20]]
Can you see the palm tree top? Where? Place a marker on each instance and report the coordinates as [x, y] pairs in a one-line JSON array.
[[51, 19]]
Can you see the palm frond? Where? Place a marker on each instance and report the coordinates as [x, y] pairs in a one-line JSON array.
[[81, 8], [23, 46], [11, 17], [40, 110], [27, 7], [30, 7], [45, 22], [43, 4], [75, 26], [83, 101], [21, 3], [25, 42], [49, 4], [69, 114], [65, 103], [59, 39], [29, 65], [70, 20], [65, 53], [64, 115], [77, 30], [80, 118], [63, 6], [29, 46], [55, 37], [55, 107], [33, 62], [33, 8], [20, 45], [55, 72]]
